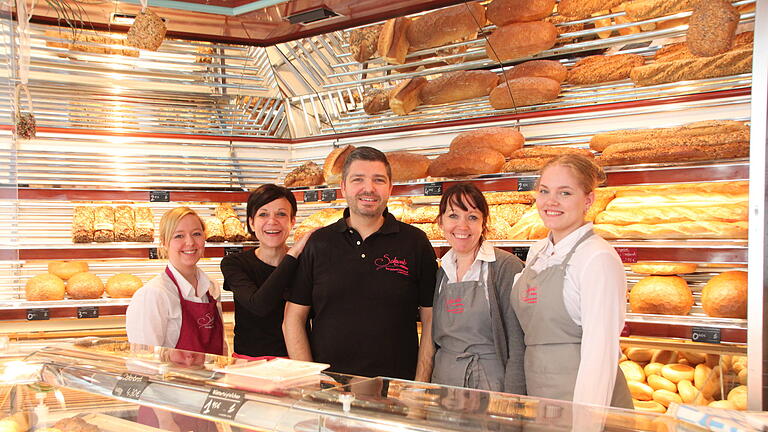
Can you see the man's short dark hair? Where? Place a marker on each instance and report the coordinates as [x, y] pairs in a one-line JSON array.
[[264, 195], [366, 154]]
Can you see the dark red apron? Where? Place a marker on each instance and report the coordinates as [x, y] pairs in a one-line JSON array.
[[202, 330]]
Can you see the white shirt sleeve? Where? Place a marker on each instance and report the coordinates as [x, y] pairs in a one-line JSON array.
[[147, 317], [603, 301]]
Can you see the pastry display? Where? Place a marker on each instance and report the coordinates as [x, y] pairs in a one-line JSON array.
[[504, 140], [509, 213], [407, 166], [308, 174], [334, 163], [44, 287], [82, 224], [458, 85], [725, 295], [123, 285], [712, 27], [519, 92], [224, 211], [85, 285], [664, 295], [518, 40], [234, 230], [66, 269], [502, 12]]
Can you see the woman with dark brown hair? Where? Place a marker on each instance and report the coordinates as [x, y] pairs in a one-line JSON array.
[[474, 339]]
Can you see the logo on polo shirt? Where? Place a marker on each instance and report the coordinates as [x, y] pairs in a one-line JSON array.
[[392, 264]]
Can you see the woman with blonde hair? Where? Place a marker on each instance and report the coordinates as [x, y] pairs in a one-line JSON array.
[[570, 298]]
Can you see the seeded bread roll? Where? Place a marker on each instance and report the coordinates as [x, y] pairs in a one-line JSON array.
[[67, 269], [502, 12], [538, 68], [308, 174], [712, 27], [504, 140], [376, 100], [363, 42], [458, 85], [407, 165], [446, 25], [599, 68], [518, 40], [525, 91], [466, 162]]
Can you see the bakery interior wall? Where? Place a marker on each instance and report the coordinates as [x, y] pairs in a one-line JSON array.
[[208, 121]]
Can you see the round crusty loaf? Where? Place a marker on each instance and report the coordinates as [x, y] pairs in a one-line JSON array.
[[725, 295], [85, 285], [308, 174], [663, 269], [407, 165], [65, 269], [502, 139], [334, 163], [44, 287], [518, 40], [665, 295], [123, 285], [466, 162]]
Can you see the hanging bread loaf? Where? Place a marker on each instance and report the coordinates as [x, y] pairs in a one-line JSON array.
[[363, 42], [730, 63], [376, 100], [584, 8], [525, 91], [638, 10], [712, 27], [674, 230], [308, 174], [466, 162], [446, 25], [82, 224], [518, 40], [664, 295], [334, 163], [504, 140], [104, 224], [407, 165], [551, 69], [601, 141], [655, 215], [599, 68], [406, 96], [145, 226], [458, 85], [502, 12], [393, 40]]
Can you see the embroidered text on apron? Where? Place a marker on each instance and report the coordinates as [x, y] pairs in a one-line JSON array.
[[552, 339], [466, 356]]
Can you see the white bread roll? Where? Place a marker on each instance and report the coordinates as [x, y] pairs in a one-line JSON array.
[[65, 269], [85, 286], [677, 372], [123, 285]]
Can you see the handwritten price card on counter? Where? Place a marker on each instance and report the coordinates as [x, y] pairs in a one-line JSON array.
[[130, 386]]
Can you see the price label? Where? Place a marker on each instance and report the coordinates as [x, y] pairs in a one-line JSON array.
[[627, 254], [328, 195], [223, 403], [526, 184], [433, 189], [229, 250], [153, 253], [87, 312], [159, 196], [38, 314], [130, 386], [705, 334], [521, 252], [310, 196]]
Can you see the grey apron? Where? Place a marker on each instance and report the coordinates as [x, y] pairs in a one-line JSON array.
[[552, 339], [466, 355]]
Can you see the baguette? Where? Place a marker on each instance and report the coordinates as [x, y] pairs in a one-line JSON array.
[[601, 141], [680, 153], [693, 141], [446, 25], [551, 69], [459, 85], [502, 139], [502, 12], [657, 215], [519, 40], [731, 187], [549, 151], [674, 230], [638, 10], [406, 96], [466, 162], [393, 43], [712, 27], [654, 199], [734, 62], [584, 8], [524, 91], [599, 68]]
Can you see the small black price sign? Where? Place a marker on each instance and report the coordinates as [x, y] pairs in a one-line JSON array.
[[223, 403], [526, 184], [521, 252], [159, 196], [229, 250], [87, 312], [433, 189], [130, 386], [39, 314], [153, 253], [705, 334], [328, 195], [310, 195]]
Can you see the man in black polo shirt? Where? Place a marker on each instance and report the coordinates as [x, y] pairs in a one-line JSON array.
[[364, 277]]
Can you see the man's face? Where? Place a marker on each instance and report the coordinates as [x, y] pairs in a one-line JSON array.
[[366, 188]]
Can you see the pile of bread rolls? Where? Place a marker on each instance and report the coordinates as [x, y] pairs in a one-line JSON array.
[[656, 378], [72, 278], [109, 224], [224, 225]]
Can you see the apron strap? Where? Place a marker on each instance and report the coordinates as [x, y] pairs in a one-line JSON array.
[[178, 290], [583, 238], [497, 324]]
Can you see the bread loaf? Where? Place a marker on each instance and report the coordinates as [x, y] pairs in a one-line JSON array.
[[66, 269], [406, 96], [679, 153], [85, 285], [393, 40], [712, 27], [525, 164], [728, 187], [422, 214], [123, 285], [665, 295], [446, 25], [334, 164], [376, 100], [676, 198], [599, 68], [562, 28], [493, 198], [233, 230], [602, 198], [733, 62], [584, 8], [432, 231], [104, 224], [466, 162], [725, 295], [551, 69], [741, 136], [363, 42], [125, 223], [214, 229], [509, 213], [407, 165], [663, 269], [498, 229], [529, 227], [308, 174], [674, 230], [601, 141], [518, 40], [144, 229], [44, 287], [502, 12], [504, 140], [656, 215], [459, 85], [82, 224], [638, 10], [535, 157], [520, 92]]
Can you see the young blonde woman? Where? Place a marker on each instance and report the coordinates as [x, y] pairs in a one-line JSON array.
[[570, 298]]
